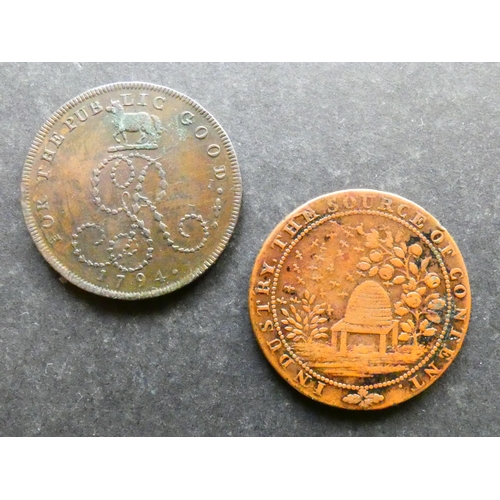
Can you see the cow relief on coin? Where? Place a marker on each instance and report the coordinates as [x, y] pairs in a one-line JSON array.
[[131, 190], [360, 299]]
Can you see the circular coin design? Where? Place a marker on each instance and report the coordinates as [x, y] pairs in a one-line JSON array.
[[131, 190], [360, 299]]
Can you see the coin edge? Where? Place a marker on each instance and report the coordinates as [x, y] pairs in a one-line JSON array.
[[38, 238]]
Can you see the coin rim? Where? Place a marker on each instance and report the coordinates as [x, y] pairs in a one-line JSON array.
[[271, 358], [38, 237]]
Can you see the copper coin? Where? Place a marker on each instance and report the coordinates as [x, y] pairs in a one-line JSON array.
[[131, 190], [360, 299]]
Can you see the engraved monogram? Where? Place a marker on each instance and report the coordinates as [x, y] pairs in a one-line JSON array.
[[132, 248], [131, 190]]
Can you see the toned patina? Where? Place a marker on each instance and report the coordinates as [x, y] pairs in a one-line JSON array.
[[360, 299], [131, 190]]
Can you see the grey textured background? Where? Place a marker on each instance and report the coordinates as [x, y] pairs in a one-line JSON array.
[[184, 364]]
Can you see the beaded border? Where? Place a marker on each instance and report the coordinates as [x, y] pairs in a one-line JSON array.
[[417, 367]]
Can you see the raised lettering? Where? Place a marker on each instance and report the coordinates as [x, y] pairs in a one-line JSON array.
[[220, 172], [142, 100], [401, 211], [416, 382], [279, 243], [69, 123], [267, 269], [95, 107], [460, 291], [48, 155], [286, 360], [127, 100], [418, 220], [159, 277], [274, 345], [367, 203], [158, 102], [309, 214], [446, 353], [292, 228], [82, 114], [263, 287], [432, 371], [42, 174], [460, 314], [102, 275], [437, 236], [47, 221], [350, 202], [319, 388], [447, 251], [268, 325], [303, 378], [385, 204], [262, 307], [54, 239], [56, 139], [332, 206], [213, 150], [456, 273], [456, 333], [42, 204], [201, 132], [186, 117]]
